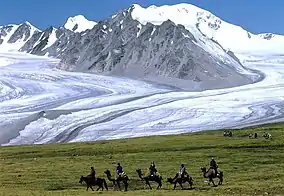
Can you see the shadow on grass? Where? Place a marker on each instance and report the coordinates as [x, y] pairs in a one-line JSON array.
[[55, 187]]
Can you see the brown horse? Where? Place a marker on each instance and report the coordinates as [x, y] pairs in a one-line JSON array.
[[147, 179], [210, 174], [92, 182], [180, 181], [123, 179]]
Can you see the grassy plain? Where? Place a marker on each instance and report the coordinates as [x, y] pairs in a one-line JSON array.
[[250, 166]]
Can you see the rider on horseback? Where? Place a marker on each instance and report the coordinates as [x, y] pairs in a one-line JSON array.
[[182, 171], [93, 173], [152, 169], [213, 165], [119, 170]]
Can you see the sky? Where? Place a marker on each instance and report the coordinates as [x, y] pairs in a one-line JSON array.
[[256, 16]]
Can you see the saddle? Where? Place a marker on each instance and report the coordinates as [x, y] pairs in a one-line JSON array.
[[122, 175], [216, 171], [155, 175]]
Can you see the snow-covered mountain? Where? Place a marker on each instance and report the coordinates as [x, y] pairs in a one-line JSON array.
[[180, 45], [13, 37], [19, 37], [231, 37], [79, 23]]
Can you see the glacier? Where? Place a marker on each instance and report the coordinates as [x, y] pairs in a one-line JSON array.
[[42, 104]]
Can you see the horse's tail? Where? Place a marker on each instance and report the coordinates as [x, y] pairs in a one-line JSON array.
[[105, 184]]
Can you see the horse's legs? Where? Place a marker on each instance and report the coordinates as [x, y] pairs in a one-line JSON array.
[[147, 183], [175, 184], [220, 180], [91, 187], [211, 179], [190, 183], [125, 185], [113, 182], [118, 184], [180, 183], [159, 184]]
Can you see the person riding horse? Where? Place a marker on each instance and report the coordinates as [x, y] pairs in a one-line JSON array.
[[182, 171], [93, 173], [152, 169], [213, 165], [119, 170]]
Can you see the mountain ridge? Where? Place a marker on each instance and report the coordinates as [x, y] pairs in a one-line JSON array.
[[130, 44]]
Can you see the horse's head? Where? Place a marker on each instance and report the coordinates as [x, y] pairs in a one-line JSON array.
[[81, 179], [107, 172], [203, 169], [139, 171]]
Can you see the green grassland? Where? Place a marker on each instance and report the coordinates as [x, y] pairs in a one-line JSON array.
[[250, 166]]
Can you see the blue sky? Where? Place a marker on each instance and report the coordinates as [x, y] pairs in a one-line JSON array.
[[256, 16]]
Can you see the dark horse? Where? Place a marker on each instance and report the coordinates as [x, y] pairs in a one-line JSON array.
[[147, 179], [180, 180], [123, 179], [210, 174], [91, 182]]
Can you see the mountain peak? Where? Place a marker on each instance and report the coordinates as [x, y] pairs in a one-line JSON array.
[[79, 23], [30, 25]]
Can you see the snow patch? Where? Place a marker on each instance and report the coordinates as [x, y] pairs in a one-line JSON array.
[[52, 39], [81, 21], [139, 26]]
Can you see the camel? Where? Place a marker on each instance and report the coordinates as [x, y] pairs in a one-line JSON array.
[[117, 181], [180, 180], [210, 174], [91, 182], [147, 179]]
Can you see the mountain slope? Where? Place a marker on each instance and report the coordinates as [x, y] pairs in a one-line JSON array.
[[13, 37], [230, 36], [179, 45]]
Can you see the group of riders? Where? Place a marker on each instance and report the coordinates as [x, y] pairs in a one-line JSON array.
[[153, 171]]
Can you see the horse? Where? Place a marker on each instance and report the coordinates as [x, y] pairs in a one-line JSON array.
[[92, 182], [123, 179], [210, 174], [180, 180], [227, 133], [253, 135], [266, 135], [147, 179]]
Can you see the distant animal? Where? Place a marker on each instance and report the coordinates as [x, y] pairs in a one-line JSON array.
[[101, 182], [227, 133], [251, 135], [180, 181], [266, 135], [117, 181], [211, 174], [147, 179]]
